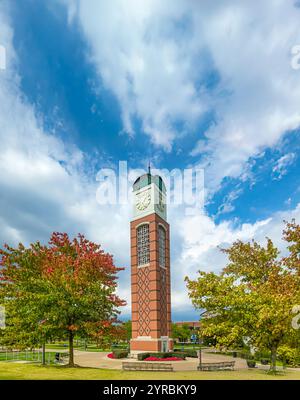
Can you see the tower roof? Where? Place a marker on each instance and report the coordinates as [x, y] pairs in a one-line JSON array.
[[147, 179]]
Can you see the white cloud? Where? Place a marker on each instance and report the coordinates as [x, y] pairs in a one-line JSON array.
[[200, 239], [43, 187], [252, 52], [42, 183], [281, 167], [228, 206], [154, 55], [142, 59]]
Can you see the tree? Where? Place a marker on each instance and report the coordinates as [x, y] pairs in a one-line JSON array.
[[185, 332], [128, 329], [182, 332], [59, 290], [175, 331], [122, 331], [251, 298], [292, 235], [18, 278]]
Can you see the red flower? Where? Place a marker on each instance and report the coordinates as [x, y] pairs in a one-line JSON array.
[[162, 359]]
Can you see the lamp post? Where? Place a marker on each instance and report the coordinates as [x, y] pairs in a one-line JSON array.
[[200, 343], [41, 322], [199, 353]]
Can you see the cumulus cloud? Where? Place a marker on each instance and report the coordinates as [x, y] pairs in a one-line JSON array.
[[252, 53], [201, 239], [155, 57], [145, 61], [228, 206], [156, 75], [281, 166], [42, 183]]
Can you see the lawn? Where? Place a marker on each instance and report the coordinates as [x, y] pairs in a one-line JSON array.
[[12, 370], [81, 346], [26, 356], [61, 346]]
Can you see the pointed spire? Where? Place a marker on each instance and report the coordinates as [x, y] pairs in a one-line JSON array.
[[149, 168]]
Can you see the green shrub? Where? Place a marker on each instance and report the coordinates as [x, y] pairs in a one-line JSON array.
[[263, 355], [251, 363], [246, 356], [186, 353], [159, 355], [288, 355], [120, 353], [178, 355], [264, 361], [142, 356], [191, 353]]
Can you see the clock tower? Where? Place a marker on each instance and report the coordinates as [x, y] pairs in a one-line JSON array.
[[150, 267]]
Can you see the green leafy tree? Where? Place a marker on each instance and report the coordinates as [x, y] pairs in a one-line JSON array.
[[59, 290], [185, 332], [175, 331], [251, 298], [181, 332], [128, 330]]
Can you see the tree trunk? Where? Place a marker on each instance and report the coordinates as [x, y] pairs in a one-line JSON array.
[[273, 359], [71, 349]]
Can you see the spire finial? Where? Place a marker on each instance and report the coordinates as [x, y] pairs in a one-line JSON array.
[[149, 168]]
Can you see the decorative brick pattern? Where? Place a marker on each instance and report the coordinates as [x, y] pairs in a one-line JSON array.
[[163, 303], [150, 288], [143, 295]]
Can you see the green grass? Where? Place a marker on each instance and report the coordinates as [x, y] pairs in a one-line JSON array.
[[13, 371], [279, 363], [89, 347], [59, 346], [26, 356], [189, 346]]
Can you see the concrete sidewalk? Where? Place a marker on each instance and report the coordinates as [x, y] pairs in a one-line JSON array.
[[100, 360]]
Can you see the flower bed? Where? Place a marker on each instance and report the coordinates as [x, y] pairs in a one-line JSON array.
[[162, 359], [161, 355], [118, 354]]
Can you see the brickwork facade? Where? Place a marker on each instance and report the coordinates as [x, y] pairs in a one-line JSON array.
[[150, 290]]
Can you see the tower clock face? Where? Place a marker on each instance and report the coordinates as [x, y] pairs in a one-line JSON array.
[[143, 201]]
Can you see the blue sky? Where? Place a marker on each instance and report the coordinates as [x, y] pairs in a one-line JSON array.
[[183, 84]]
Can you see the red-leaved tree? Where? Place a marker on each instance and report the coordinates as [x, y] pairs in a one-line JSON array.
[[65, 288]]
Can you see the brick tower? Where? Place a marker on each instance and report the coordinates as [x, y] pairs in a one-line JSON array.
[[150, 267]]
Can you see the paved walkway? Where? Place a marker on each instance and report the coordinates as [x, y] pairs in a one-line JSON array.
[[100, 360]]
